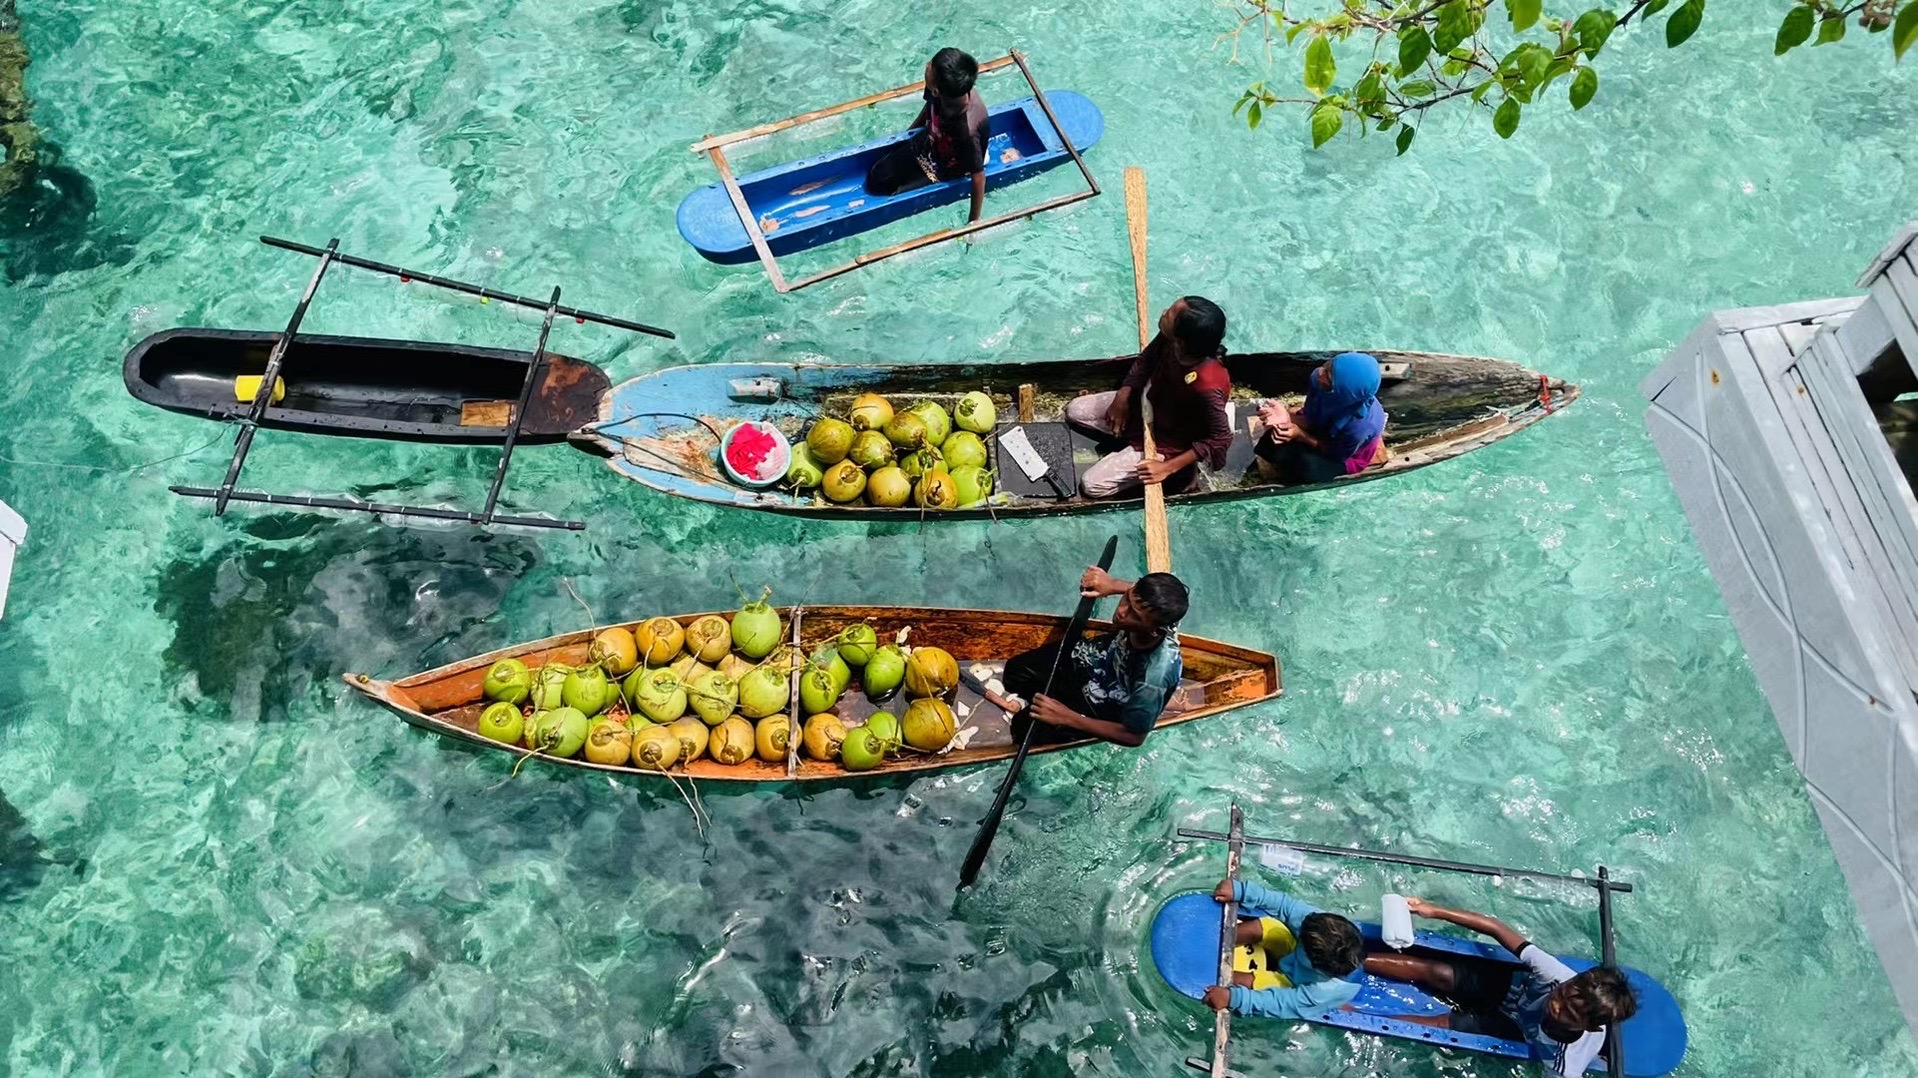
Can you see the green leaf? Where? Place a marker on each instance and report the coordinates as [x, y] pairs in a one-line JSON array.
[[1654, 8], [1904, 32], [1684, 23], [1406, 135], [1320, 68], [1794, 31], [1524, 13], [1831, 30], [1593, 28], [1454, 25], [1369, 91], [1584, 85], [1414, 46], [1530, 60], [1505, 120], [1327, 118], [1253, 115], [1418, 89]]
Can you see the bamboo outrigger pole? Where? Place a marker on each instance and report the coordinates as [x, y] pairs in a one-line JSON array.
[[1158, 544]]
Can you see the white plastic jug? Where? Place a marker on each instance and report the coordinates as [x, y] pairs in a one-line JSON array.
[[1395, 922]]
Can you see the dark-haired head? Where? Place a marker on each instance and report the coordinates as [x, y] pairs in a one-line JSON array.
[[1594, 999], [1162, 597], [953, 73], [1331, 943], [1199, 325]]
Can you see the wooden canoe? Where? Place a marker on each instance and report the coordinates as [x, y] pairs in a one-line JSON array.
[[1439, 407], [366, 387], [819, 199], [1219, 677]]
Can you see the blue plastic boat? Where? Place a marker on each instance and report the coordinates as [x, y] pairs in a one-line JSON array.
[[821, 199], [1185, 948]]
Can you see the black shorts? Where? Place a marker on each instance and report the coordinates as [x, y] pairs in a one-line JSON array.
[[1479, 990]]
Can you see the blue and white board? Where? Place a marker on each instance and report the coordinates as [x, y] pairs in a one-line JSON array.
[[820, 199], [13, 532], [1185, 949]]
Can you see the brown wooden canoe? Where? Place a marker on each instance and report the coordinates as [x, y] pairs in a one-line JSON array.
[[1218, 677]]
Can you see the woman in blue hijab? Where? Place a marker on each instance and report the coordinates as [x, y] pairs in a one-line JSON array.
[[1339, 432]]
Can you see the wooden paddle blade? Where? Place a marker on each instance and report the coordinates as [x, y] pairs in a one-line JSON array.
[[1158, 541], [1135, 211], [989, 826]]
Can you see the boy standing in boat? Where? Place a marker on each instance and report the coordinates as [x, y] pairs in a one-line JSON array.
[[1560, 1014], [1292, 959], [1182, 372], [949, 138], [1113, 688]]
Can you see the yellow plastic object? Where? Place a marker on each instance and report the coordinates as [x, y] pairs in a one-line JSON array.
[[247, 386]]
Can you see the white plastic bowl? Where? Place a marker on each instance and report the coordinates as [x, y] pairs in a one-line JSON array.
[[781, 457]]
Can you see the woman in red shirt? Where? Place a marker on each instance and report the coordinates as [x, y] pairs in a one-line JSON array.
[[1182, 371]]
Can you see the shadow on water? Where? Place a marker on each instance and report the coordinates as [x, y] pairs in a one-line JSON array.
[[264, 619], [47, 226], [21, 858]]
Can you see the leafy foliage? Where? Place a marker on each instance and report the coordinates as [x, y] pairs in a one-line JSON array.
[[1404, 57]]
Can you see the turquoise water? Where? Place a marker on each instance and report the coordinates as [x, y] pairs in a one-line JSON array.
[[235, 867]]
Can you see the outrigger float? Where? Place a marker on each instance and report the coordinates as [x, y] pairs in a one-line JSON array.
[[1192, 943], [371, 388], [803, 204]]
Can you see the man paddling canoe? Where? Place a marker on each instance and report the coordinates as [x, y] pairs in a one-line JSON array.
[[1114, 687]]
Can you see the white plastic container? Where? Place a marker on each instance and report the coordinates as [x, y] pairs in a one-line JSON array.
[[1395, 922]]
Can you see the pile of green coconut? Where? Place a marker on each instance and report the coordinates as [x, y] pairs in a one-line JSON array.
[[884, 458], [666, 695]]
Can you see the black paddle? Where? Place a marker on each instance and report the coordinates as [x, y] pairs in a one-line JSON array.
[[989, 827]]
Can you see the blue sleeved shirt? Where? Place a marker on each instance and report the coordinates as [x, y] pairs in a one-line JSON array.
[[1312, 993]]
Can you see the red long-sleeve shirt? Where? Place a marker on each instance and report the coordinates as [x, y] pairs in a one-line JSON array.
[[1188, 406]]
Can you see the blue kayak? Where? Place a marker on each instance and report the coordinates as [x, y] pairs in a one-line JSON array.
[[821, 199], [1185, 948]]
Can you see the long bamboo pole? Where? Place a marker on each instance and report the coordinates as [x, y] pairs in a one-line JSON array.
[[1158, 542], [762, 130], [746, 219]]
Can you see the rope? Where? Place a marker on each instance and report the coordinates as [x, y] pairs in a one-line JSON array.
[[115, 471]]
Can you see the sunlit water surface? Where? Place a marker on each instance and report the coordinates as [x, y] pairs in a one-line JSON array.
[[232, 865]]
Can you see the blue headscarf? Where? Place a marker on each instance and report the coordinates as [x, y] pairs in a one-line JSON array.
[[1348, 416]]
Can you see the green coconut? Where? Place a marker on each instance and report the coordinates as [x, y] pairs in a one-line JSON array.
[[931, 672], [938, 423], [975, 413], [713, 696], [637, 723], [936, 490], [973, 484], [756, 629], [889, 487], [804, 472], [771, 738], [824, 734], [870, 449], [503, 723], [827, 655], [508, 681], [655, 748], [916, 464], [615, 651], [709, 638], [870, 411], [732, 742], [561, 732], [763, 692], [884, 671], [885, 726], [929, 725], [587, 690], [816, 691], [693, 737], [964, 450], [609, 742], [830, 440], [659, 640], [656, 694], [906, 431], [529, 733], [549, 684], [856, 643], [844, 482], [861, 750]]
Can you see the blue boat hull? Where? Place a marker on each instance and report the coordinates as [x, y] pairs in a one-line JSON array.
[[821, 199], [1185, 949]]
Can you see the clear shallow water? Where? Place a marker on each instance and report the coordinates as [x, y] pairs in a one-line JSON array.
[[1518, 656]]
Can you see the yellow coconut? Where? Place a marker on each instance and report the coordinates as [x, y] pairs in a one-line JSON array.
[[770, 738], [692, 735], [609, 742], [615, 651], [659, 641], [655, 749], [732, 741], [710, 638], [824, 734]]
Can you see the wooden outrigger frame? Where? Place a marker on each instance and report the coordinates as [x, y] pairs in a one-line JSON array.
[[715, 147]]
